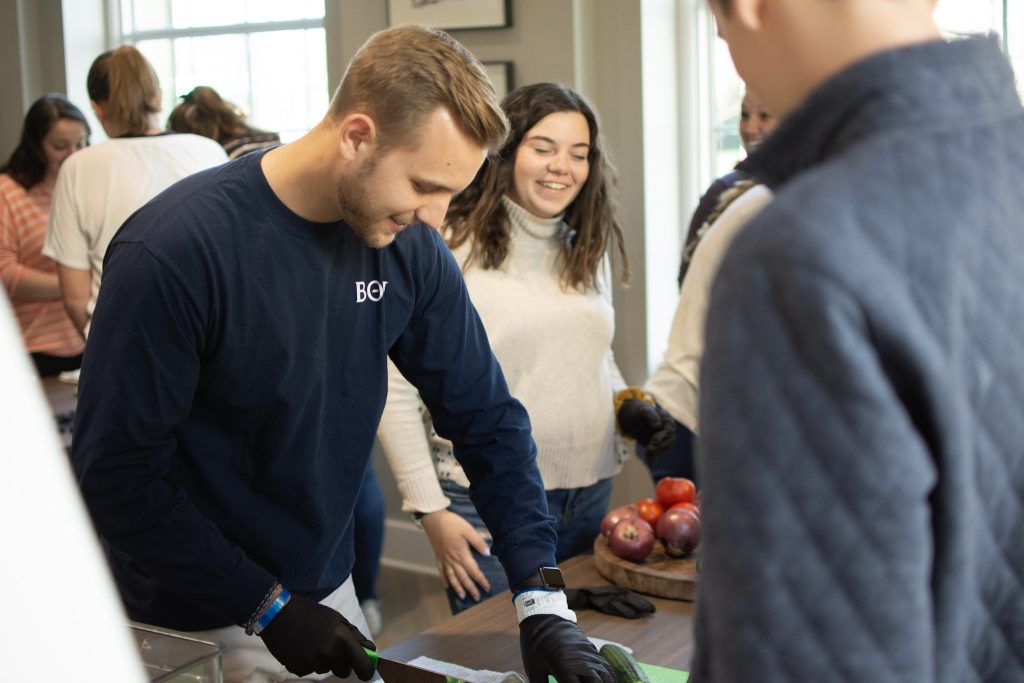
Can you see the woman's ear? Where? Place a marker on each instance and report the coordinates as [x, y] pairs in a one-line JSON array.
[[357, 136]]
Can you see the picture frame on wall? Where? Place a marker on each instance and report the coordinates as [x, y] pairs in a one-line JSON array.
[[500, 74], [449, 15]]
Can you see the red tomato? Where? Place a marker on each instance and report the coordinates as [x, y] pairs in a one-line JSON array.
[[650, 510], [672, 490], [692, 507]]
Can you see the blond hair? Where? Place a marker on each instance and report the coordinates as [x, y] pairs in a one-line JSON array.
[[401, 75], [124, 82]]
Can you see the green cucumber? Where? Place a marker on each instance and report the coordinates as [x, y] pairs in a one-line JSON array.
[[627, 669]]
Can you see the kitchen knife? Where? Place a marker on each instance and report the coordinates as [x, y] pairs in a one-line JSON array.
[[399, 672]]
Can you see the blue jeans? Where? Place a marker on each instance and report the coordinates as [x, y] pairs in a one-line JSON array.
[[577, 512], [368, 531], [678, 460]]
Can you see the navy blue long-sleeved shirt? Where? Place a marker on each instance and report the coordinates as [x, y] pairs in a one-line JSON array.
[[231, 389]]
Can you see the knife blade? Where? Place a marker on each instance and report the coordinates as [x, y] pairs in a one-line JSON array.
[[393, 671]]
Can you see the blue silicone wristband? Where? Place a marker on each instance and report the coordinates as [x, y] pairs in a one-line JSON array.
[[268, 615]]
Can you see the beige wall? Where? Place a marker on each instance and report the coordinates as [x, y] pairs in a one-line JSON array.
[[41, 55], [33, 55]]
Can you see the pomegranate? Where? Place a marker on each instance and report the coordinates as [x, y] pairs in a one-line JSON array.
[[616, 515], [632, 539]]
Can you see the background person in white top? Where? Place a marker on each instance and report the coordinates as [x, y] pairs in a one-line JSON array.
[[98, 188], [675, 384], [532, 233]]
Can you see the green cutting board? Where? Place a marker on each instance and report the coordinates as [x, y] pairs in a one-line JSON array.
[[657, 674]]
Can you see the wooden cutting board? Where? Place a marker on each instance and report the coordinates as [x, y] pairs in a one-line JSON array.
[[659, 574]]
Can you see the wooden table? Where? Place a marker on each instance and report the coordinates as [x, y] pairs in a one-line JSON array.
[[486, 636]]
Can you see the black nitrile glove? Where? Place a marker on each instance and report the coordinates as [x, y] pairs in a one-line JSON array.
[[308, 637], [651, 426], [553, 645], [618, 601]]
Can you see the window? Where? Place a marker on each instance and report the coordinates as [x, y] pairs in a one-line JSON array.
[[1013, 27], [727, 96], [1005, 18], [266, 56], [966, 17], [954, 17], [692, 98]]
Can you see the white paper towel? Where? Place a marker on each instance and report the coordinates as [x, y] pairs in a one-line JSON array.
[[485, 675]]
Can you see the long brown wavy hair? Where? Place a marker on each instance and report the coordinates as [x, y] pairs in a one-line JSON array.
[[204, 112], [477, 213]]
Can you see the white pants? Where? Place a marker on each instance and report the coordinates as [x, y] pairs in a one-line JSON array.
[[247, 660]]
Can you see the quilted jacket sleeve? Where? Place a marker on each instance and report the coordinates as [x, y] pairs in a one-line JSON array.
[[675, 384], [816, 550]]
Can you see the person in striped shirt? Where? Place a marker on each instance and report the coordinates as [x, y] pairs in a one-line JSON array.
[[54, 129]]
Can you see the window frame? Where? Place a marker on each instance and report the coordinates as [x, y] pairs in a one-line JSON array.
[[118, 36]]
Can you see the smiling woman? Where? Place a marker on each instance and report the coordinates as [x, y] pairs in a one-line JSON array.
[[538, 114], [533, 233], [552, 164]]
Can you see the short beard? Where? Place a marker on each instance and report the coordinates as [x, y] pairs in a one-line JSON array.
[[352, 204]]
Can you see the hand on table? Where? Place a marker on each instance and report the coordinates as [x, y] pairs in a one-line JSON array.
[[452, 537]]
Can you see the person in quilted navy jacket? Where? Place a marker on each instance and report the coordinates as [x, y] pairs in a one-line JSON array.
[[862, 448]]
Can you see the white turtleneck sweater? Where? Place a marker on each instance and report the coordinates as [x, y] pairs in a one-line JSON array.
[[554, 347]]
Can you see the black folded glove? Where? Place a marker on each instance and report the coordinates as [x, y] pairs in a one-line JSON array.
[[308, 637], [553, 645], [651, 426], [618, 601]]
